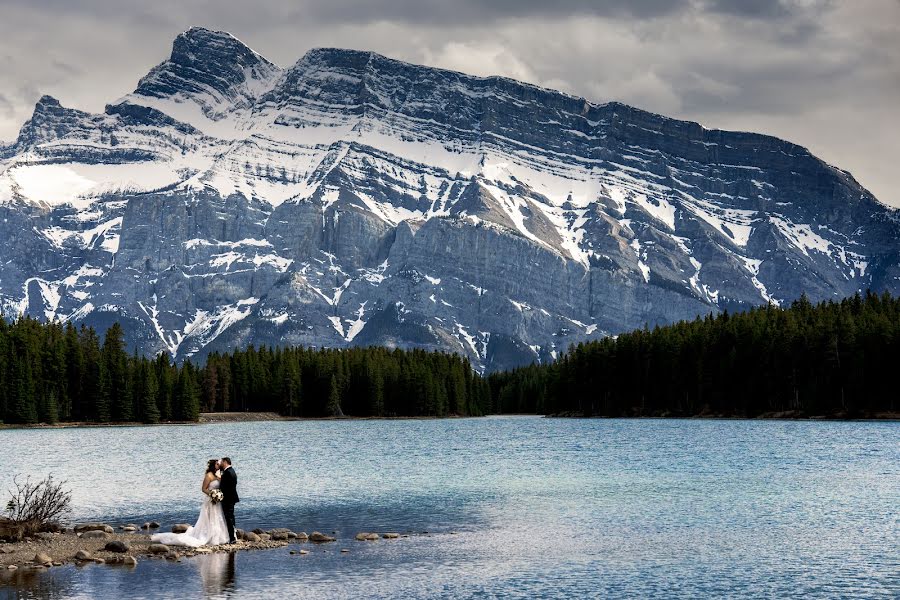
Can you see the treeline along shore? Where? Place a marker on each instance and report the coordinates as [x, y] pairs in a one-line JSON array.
[[832, 359], [53, 373]]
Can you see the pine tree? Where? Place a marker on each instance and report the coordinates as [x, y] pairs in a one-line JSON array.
[[334, 399], [149, 391], [165, 387], [24, 407], [114, 404], [186, 403], [93, 405], [375, 391]]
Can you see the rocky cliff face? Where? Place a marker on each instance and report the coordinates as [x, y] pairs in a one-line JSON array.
[[355, 199]]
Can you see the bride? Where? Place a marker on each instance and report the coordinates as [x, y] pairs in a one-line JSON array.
[[210, 529]]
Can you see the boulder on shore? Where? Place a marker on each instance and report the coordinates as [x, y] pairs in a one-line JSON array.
[[83, 555], [252, 537], [94, 535], [158, 549], [318, 537], [83, 527], [180, 528], [42, 559], [301, 536], [117, 546], [130, 561]]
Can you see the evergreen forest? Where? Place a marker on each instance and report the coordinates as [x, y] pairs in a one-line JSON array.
[[831, 359]]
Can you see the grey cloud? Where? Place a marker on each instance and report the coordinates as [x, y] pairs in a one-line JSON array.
[[473, 11]]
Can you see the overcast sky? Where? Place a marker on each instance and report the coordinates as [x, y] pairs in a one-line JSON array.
[[821, 73]]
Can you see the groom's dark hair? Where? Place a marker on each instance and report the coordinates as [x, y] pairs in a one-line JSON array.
[[226, 460]]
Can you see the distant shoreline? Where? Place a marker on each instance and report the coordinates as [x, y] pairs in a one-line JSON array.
[[776, 416], [228, 417], [254, 417]]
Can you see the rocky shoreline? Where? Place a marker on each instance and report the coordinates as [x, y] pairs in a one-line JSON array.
[[103, 544], [789, 415], [231, 417]]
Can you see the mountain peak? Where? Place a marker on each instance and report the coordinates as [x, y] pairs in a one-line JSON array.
[[46, 101], [213, 67], [199, 43], [50, 120]]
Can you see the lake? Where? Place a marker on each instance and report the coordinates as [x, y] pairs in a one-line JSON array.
[[518, 507]]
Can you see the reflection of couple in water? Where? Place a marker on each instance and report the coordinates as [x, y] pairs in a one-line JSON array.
[[216, 572]]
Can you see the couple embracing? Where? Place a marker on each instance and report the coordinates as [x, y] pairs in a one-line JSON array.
[[215, 526]]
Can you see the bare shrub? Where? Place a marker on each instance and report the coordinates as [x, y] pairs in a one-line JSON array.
[[37, 506]]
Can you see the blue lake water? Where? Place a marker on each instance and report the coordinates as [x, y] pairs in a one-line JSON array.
[[512, 506]]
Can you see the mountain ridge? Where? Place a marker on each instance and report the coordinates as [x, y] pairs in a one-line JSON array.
[[356, 199]]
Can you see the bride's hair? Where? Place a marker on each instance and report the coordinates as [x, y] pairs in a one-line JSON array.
[[212, 466]]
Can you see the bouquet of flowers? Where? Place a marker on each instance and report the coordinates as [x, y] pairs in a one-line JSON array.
[[215, 496]]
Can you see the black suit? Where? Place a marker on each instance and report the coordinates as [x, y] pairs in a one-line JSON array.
[[228, 486]]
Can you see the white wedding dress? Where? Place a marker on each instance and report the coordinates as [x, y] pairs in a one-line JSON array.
[[210, 529]]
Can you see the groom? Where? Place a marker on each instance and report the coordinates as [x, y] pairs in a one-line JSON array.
[[230, 495]]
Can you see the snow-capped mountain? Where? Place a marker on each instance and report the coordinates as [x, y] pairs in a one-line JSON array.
[[355, 199]]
